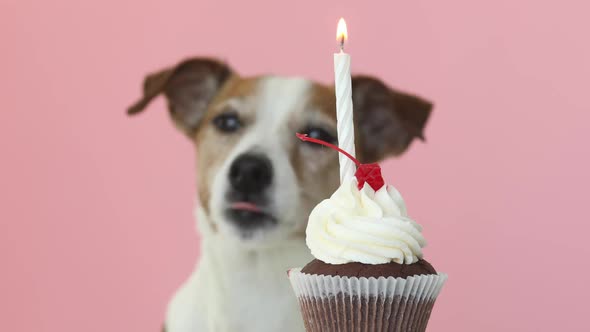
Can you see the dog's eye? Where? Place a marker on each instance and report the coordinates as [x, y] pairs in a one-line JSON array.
[[227, 122], [321, 134]]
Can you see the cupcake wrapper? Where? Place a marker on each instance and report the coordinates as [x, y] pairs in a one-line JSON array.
[[337, 303]]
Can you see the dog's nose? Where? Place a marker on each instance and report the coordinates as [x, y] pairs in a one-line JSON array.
[[250, 173]]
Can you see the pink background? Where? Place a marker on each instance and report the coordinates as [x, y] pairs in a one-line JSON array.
[[96, 227]]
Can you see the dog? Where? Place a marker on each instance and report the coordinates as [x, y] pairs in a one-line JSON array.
[[257, 183]]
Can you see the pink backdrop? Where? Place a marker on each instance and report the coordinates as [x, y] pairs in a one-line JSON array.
[[96, 226]]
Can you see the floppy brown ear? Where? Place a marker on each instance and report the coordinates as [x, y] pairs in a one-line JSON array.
[[189, 87], [386, 120]]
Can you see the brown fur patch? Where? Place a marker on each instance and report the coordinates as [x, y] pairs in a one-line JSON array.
[[316, 169], [324, 98]]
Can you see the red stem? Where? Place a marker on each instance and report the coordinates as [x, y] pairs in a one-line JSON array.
[[305, 138]]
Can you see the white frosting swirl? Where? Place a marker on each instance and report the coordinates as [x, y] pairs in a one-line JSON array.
[[365, 226]]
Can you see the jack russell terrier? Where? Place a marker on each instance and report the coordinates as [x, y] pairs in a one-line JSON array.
[[257, 183]]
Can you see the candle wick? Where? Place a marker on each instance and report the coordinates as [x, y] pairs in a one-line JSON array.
[[341, 44]]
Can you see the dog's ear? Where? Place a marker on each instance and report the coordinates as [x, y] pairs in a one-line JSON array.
[[189, 87], [386, 120]]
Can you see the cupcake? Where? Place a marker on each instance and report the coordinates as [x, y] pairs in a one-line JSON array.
[[369, 273]]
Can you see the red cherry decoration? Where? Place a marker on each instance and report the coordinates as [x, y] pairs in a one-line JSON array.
[[369, 173]]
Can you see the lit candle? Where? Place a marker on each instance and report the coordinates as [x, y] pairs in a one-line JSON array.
[[343, 87]]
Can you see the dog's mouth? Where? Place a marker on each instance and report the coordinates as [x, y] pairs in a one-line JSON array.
[[246, 206], [249, 215]]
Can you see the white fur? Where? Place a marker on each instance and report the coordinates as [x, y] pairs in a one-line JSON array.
[[242, 285], [276, 100]]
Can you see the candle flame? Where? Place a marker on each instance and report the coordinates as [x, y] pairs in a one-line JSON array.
[[341, 32]]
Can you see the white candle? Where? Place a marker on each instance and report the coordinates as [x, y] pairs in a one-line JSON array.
[[343, 87]]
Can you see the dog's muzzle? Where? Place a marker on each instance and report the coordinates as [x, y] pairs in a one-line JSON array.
[[250, 177]]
